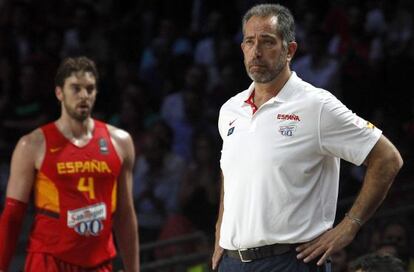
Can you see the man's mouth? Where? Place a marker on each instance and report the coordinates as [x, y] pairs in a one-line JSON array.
[[254, 68], [257, 65], [83, 106]]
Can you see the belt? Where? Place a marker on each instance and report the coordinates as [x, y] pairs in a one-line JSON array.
[[249, 254]]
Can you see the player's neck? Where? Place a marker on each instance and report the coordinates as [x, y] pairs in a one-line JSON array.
[[74, 129]]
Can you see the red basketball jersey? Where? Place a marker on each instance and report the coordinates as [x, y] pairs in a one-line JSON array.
[[75, 198]]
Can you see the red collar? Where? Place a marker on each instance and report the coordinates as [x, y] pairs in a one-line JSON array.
[[250, 101]]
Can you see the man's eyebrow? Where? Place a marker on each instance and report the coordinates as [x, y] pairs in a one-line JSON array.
[[268, 35], [263, 35], [73, 84]]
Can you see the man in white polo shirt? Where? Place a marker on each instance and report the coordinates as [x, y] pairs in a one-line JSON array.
[[282, 143]]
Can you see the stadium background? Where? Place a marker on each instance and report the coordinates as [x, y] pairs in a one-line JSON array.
[[165, 69]]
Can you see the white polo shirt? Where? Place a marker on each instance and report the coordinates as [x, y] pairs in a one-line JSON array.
[[281, 164]]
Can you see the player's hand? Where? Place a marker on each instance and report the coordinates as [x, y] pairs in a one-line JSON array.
[[218, 253], [329, 242]]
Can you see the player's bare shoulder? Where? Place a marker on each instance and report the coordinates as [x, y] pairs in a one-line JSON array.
[[32, 147], [122, 141]]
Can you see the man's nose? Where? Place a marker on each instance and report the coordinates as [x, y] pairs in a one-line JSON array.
[[83, 93], [257, 51]]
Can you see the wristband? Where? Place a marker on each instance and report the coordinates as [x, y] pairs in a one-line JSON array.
[[11, 221], [354, 219]]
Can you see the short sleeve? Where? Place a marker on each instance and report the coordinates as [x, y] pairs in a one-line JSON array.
[[344, 134], [220, 124]]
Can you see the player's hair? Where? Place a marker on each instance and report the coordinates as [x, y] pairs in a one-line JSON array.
[[377, 263], [285, 20], [74, 65]]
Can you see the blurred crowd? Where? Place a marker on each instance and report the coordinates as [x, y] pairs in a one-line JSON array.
[[166, 67]]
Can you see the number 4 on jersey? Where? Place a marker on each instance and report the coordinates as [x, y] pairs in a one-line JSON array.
[[87, 185]]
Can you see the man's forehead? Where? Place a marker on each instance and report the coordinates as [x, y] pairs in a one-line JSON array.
[[257, 24], [80, 77]]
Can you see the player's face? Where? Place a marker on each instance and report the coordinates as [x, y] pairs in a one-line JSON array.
[[78, 95], [264, 54]]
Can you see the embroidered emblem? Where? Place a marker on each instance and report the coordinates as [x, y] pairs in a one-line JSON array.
[[292, 117], [369, 125], [287, 130], [231, 123], [103, 146], [230, 131]]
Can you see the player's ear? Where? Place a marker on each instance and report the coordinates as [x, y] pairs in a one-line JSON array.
[[59, 93]]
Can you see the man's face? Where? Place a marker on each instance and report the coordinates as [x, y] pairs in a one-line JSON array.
[[264, 54], [78, 95]]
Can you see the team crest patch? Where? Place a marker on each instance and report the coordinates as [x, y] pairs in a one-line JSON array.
[[230, 131], [287, 130], [103, 146]]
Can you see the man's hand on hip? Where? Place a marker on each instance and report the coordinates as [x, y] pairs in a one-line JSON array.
[[329, 242]]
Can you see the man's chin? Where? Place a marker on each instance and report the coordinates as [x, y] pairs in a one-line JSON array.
[[81, 116], [260, 78]]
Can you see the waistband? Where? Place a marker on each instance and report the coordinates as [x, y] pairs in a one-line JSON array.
[[250, 254]]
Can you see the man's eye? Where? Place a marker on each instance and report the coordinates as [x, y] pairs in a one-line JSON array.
[[90, 89]]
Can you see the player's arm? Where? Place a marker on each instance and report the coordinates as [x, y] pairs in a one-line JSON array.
[[218, 251], [383, 163], [25, 159], [125, 220]]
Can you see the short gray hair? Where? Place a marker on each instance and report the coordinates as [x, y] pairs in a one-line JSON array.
[[285, 20]]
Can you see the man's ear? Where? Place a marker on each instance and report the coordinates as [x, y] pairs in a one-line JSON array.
[[292, 47], [59, 93]]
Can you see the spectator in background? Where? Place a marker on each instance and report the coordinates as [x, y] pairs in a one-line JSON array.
[[397, 233], [376, 263], [6, 81], [375, 26], [157, 177], [156, 64], [198, 197], [340, 261], [217, 47], [135, 110], [205, 52], [199, 190], [21, 30], [26, 112], [117, 80], [388, 249], [86, 36], [184, 110], [231, 78], [352, 48], [317, 67], [304, 28], [400, 29]]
